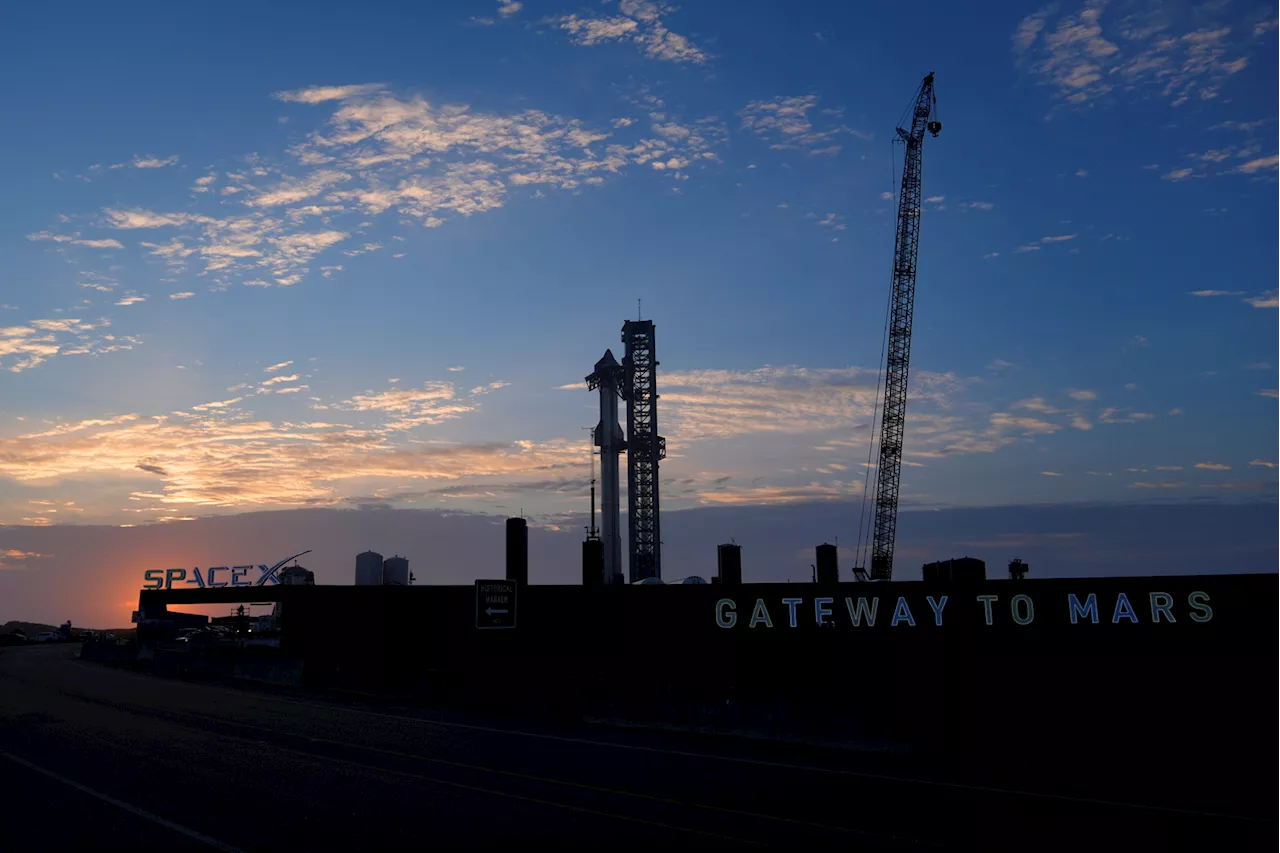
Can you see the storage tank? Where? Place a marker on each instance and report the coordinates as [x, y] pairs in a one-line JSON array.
[[395, 571], [827, 565], [729, 564], [369, 569]]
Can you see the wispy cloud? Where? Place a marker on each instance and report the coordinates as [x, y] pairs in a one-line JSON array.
[[30, 344], [186, 294], [1266, 300], [151, 162], [75, 240], [785, 123], [1146, 48], [1213, 466], [638, 22], [1082, 394]]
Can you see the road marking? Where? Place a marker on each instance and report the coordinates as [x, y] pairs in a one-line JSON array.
[[756, 762], [325, 759], [143, 813], [544, 779]]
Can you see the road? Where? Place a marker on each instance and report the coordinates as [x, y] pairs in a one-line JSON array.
[[93, 756]]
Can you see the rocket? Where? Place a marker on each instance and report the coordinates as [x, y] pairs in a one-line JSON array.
[[608, 378]]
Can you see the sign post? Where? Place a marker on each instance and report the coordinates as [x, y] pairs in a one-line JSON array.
[[495, 604]]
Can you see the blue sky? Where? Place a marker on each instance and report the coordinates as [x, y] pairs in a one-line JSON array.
[[320, 255]]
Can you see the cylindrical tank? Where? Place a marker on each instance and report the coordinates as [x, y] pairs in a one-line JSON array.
[[395, 571], [518, 551], [369, 569], [729, 568], [592, 563], [827, 565]]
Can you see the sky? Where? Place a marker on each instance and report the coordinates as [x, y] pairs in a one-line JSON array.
[[303, 257]]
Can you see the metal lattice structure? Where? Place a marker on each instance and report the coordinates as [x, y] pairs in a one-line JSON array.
[[905, 251], [645, 448]]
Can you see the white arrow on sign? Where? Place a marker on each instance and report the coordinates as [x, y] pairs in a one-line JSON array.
[[491, 611]]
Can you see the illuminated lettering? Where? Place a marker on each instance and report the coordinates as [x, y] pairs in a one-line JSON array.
[[760, 614], [986, 604], [209, 577], [154, 579], [726, 618], [172, 576], [1161, 604], [1124, 610], [857, 614], [937, 608], [1030, 607], [791, 605], [900, 612], [821, 610], [238, 572], [1090, 607], [268, 573], [1203, 611]]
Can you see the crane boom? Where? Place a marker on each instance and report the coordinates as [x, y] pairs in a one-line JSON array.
[[905, 250]]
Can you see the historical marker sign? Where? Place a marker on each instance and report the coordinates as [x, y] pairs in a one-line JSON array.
[[496, 604]]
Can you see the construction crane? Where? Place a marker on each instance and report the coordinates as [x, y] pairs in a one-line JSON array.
[[898, 350]]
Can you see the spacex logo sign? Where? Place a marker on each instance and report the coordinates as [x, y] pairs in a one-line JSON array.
[[215, 577]]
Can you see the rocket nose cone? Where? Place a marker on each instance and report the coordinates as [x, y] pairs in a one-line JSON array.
[[607, 360]]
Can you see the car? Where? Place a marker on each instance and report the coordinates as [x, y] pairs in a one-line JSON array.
[[47, 637]]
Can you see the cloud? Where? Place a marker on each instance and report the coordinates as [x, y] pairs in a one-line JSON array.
[[138, 218], [14, 559], [320, 94], [29, 345], [1213, 466], [507, 8], [1145, 49], [638, 22], [1266, 300], [1177, 175], [1217, 292], [784, 123], [1061, 239], [1080, 394], [980, 205], [1080, 422], [150, 162], [1257, 165], [1263, 463], [273, 368], [212, 458], [455, 369], [74, 240], [774, 495], [186, 294], [1050, 474], [377, 153], [1036, 404], [132, 300], [1267, 392]]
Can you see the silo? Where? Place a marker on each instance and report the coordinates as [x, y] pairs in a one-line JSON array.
[[828, 566], [395, 571], [729, 564], [518, 551], [369, 569]]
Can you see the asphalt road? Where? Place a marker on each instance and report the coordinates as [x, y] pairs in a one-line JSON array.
[[96, 757]]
